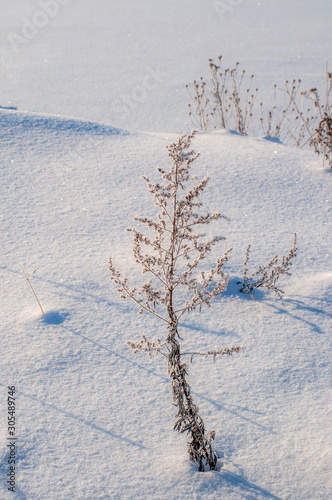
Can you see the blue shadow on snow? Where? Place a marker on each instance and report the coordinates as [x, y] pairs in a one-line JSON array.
[[55, 317]]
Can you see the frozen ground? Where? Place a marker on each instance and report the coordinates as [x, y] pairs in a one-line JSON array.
[[94, 421]]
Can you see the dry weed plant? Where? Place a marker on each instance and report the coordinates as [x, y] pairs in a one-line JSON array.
[[304, 119], [201, 115], [226, 104], [268, 275], [171, 258], [297, 117], [28, 278], [321, 139]]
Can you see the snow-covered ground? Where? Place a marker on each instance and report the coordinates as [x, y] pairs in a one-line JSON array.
[[94, 420], [93, 60]]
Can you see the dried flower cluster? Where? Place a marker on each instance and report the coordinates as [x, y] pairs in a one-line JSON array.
[[226, 105], [267, 276], [175, 285], [321, 139], [152, 348], [298, 117]]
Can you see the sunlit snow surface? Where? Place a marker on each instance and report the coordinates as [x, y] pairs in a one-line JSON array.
[[95, 420]]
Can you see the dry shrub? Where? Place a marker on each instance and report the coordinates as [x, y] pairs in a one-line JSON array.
[[172, 258], [268, 275]]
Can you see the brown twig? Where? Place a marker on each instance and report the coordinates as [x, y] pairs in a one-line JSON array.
[[30, 284]]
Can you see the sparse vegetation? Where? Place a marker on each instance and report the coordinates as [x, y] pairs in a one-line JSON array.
[[298, 117], [226, 104], [321, 139]]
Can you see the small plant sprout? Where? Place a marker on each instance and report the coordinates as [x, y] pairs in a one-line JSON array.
[[172, 257], [30, 284], [268, 275]]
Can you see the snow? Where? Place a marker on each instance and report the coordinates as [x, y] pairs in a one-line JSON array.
[[95, 420]]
